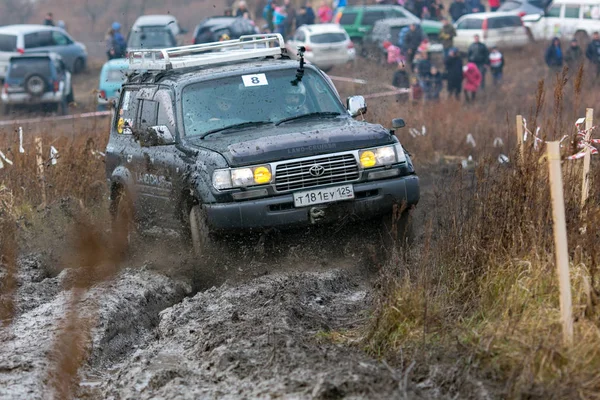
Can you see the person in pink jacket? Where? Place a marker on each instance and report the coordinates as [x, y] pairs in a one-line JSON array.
[[472, 80], [325, 13]]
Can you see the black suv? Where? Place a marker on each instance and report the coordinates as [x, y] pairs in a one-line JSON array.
[[246, 142]]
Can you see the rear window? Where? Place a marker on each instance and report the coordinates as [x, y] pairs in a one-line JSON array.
[[370, 17], [8, 43], [471, 23], [25, 66], [151, 38], [348, 18], [328, 38], [115, 75], [510, 5]]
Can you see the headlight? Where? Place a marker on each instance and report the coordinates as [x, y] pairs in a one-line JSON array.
[[381, 156], [241, 177]]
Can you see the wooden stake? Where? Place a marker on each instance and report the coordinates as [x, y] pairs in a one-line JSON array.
[[40, 167], [520, 142], [560, 240], [585, 182]]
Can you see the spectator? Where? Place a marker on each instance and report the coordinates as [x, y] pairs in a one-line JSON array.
[[434, 84], [49, 19], [268, 12], [574, 55], [412, 40], [109, 41], [415, 89], [419, 5], [310, 14], [454, 73], [422, 69], [393, 53], [476, 6], [472, 78], [457, 9], [279, 16], [228, 12], [554, 55], [436, 9], [593, 52], [402, 39], [301, 17], [401, 80], [242, 9], [496, 65], [479, 55], [120, 45], [247, 16], [325, 13], [290, 18], [447, 35], [494, 5]]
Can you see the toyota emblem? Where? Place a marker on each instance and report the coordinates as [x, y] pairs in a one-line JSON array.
[[316, 170]]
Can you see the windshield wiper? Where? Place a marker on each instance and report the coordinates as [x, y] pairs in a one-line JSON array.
[[309, 115], [246, 124]]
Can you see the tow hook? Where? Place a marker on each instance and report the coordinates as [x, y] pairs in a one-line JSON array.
[[316, 214]]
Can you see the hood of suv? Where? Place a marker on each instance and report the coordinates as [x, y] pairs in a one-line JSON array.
[[295, 140]]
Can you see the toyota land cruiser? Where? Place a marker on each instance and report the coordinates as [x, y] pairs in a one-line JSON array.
[[246, 139]]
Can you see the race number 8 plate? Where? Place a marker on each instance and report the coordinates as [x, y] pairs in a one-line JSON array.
[[325, 195]]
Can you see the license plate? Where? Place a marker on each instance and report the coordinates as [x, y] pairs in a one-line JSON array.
[[325, 195]]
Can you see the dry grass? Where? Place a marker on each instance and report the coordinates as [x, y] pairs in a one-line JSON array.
[[482, 291]]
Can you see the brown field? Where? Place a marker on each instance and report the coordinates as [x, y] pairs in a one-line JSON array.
[[477, 292]]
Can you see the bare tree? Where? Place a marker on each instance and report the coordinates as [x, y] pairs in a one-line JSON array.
[[16, 11], [94, 9]]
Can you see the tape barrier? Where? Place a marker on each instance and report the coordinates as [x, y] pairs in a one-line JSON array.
[[383, 94], [583, 144], [348, 80], [56, 118]]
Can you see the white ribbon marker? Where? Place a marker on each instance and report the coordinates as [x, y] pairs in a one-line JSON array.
[[471, 140], [498, 142], [21, 149], [3, 157], [53, 155]]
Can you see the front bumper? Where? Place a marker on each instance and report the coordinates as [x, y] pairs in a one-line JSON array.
[[371, 199]]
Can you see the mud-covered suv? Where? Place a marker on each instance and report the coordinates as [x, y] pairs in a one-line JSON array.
[[246, 139]]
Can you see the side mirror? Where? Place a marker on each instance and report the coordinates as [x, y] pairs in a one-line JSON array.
[[159, 135], [356, 105], [398, 123]]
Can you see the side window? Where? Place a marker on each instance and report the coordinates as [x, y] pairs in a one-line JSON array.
[[395, 13], [591, 12], [300, 37], [496, 23], [38, 39], [166, 115], [127, 111], [515, 21], [59, 39], [572, 11], [554, 11], [370, 17], [348, 18], [148, 115]]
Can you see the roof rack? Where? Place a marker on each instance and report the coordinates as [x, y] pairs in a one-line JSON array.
[[244, 48]]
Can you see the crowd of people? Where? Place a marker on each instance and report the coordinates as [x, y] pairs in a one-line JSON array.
[[573, 56]]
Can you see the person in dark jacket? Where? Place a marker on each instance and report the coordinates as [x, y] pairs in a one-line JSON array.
[[434, 84], [447, 35], [454, 73], [592, 52], [554, 55], [412, 40], [242, 9], [310, 14], [401, 80], [457, 9], [496, 65], [574, 55], [475, 6], [479, 55], [49, 19]]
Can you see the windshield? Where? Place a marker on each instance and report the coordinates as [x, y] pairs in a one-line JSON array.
[[268, 97], [151, 38]]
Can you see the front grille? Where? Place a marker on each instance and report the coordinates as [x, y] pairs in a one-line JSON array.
[[296, 175]]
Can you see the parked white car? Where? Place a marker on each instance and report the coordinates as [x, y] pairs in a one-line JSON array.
[[326, 45], [155, 31], [505, 30], [567, 19]]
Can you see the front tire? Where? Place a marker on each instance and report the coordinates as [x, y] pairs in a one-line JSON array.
[[201, 238]]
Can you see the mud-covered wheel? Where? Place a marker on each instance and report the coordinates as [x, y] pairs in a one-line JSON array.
[[123, 221], [201, 238], [398, 227]]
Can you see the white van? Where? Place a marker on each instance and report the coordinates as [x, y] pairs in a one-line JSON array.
[[566, 19], [502, 29], [155, 31]]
